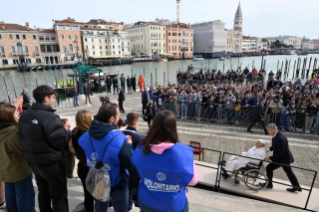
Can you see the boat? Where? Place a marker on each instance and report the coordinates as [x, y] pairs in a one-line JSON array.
[[46, 67], [57, 66], [34, 68], [27, 68], [52, 67], [40, 68], [222, 59], [302, 53], [190, 66], [198, 59]]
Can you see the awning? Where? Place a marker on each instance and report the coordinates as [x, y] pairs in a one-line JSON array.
[[87, 69]]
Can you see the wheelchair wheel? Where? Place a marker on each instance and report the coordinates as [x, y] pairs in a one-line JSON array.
[[237, 181], [253, 178]]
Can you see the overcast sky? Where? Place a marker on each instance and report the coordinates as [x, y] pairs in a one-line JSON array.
[[261, 18]]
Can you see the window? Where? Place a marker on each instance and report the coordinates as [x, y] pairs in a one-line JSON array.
[[101, 53], [24, 37], [105, 41], [75, 28], [38, 60], [169, 34], [169, 48], [47, 38], [113, 47], [169, 41], [61, 27], [65, 49], [113, 40], [19, 47], [0, 36], [10, 36], [118, 40], [62, 37], [36, 48], [71, 48], [106, 53], [68, 27], [75, 37], [100, 41], [5, 62], [69, 37], [92, 40], [106, 47], [34, 37], [17, 36], [119, 46], [119, 52], [86, 40], [113, 52], [100, 47], [92, 46]]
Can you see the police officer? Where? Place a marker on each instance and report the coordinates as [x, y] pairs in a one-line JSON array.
[[108, 83]]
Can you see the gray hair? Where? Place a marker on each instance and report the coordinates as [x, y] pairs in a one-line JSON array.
[[272, 126]]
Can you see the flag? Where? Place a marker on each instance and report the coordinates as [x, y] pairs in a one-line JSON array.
[[237, 35]]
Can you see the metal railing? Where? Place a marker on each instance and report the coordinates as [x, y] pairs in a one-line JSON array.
[[20, 53], [2, 53]]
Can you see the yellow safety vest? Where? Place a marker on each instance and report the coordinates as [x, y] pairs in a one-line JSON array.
[[239, 70], [71, 82], [313, 74]]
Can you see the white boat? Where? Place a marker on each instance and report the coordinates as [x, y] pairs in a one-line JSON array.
[[198, 59], [222, 59]]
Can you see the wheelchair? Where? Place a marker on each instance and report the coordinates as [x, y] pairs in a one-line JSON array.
[[252, 175]]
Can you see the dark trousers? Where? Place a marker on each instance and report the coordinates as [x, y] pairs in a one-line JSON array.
[[291, 176], [129, 89], [88, 199], [20, 195], [123, 87], [53, 190], [256, 121], [68, 161], [134, 182], [117, 89], [108, 87], [119, 202], [87, 96], [134, 87], [121, 106], [144, 107]]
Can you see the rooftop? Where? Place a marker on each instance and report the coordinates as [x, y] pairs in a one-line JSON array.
[[142, 24], [49, 31], [239, 12], [96, 29], [17, 27], [67, 21]]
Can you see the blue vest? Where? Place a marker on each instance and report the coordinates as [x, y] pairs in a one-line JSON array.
[[164, 177], [110, 160]]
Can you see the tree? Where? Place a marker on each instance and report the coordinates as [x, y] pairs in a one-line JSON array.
[[133, 54], [87, 26], [265, 40], [57, 47]]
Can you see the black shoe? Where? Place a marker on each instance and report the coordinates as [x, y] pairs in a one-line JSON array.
[[225, 175], [250, 131], [294, 189], [263, 185]]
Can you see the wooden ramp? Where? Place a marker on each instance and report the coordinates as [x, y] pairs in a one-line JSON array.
[[207, 176]]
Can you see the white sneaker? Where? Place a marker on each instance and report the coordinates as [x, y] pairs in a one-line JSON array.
[[133, 206], [3, 206], [182, 117], [236, 123], [185, 117]]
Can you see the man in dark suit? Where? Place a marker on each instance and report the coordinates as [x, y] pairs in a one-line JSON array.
[[26, 97], [133, 80], [258, 116], [129, 85], [115, 85], [144, 99], [87, 91], [281, 154], [121, 100], [108, 83]]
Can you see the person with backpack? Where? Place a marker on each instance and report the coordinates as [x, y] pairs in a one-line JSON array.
[[43, 138], [161, 159], [108, 149]]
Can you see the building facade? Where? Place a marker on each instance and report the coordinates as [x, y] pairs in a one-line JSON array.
[[68, 31], [234, 41], [19, 44], [102, 24], [308, 45], [147, 38], [50, 52], [210, 39], [179, 39], [238, 21], [288, 40], [249, 44], [101, 43]]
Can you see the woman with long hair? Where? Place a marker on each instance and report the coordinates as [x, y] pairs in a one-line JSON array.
[[14, 170], [83, 120], [161, 159]]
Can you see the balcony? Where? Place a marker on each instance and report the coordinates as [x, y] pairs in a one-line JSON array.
[[156, 47], [20, 53], [48, 41], [48, 54], [2, 54], [37, 53]]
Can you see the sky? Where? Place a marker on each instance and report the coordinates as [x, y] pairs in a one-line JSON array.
[[260, 18]]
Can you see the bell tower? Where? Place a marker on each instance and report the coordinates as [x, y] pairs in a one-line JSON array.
[[238, 22]]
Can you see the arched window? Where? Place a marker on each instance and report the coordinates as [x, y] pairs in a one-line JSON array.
[[71, 48], [19, 47]]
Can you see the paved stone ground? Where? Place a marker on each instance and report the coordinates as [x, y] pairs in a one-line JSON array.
[[227, 138]]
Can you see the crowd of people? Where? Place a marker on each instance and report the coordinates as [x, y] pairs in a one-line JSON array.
[[292, 105]]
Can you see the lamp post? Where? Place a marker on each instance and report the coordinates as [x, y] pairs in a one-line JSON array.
[[78, 59], [263, 52]]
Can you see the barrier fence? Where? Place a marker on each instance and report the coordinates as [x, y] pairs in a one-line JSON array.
[[219, 159]]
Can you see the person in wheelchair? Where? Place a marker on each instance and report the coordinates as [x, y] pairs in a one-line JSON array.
[[236, 162]]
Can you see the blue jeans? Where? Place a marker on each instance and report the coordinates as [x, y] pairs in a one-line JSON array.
[[198, 108], [20, 196], [119, 201], [237, 115], [219, 113], [191, 109], [145, 208], [75, 101], [184, 110], [291, 119], [172, 106], [282, 121], [246, 115], [230, 114], [317, 123]]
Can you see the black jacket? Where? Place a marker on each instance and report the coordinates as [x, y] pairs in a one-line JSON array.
[[121, 96], [259, 112], [26, 98], [115, 82], [129, 82], [136, 138], [80, 154], [75, 92], [133, 80], [108, 82], [43, 137], [144, 97], [86, 89], [280, 148]]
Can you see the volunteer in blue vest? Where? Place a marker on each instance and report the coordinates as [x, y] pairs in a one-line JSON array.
[[165, 166], [103, 143]]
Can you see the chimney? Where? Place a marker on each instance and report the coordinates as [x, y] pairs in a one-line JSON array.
[[189, 25], [2, 25], [27, 25], [35, 28]]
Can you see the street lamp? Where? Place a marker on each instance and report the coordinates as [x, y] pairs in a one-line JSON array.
[[78, 59], [263, 52]]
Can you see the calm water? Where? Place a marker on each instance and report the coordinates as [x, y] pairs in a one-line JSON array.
[[166, 72]]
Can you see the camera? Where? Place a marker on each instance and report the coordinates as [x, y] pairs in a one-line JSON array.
[[104, 99]]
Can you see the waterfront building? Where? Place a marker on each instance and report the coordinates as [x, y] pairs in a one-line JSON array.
[[18, 44], [316, 43], [210, 38], [249, 44], [288, 40], [99, 43], [147, 38], [307, 44], [67, 31], [102, 24], [50, 51]]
